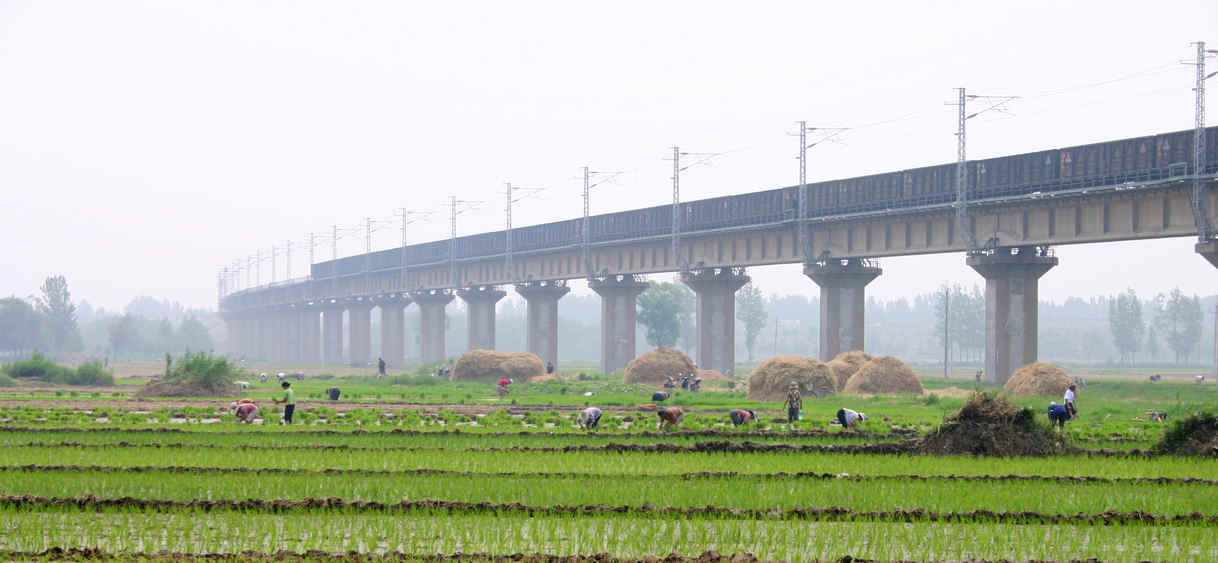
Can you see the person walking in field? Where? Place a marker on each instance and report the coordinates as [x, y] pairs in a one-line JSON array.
[[589, 418], [742, 416], [289, 401], [848, 418], [670, 415], [1068, 400], [380, 367], [794, 402]]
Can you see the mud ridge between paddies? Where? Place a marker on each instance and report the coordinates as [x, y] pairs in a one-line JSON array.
[[699, 475], [895, 435], [87, 404], [92, 554], [905, 447], [829, 514]]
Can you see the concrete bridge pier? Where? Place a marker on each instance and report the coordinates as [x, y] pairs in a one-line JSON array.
[[266, 335], [393, 331], [432, 322], [480, 306], [619, 295], [716, 315], [289, 336], [541, 299], [332, 323], [1011, 281], [359, 332], [310, 336], [842, 302]]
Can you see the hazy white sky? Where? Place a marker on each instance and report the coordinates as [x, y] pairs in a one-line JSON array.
[[144, 145]]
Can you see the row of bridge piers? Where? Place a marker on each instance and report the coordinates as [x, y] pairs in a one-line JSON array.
[[314, 334]]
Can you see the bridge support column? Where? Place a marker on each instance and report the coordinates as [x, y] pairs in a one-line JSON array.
[[359, 333], [393, 331], [1209, 251], [1011, 280], [541, 299], [266, 335], [842, 301], [310, 336], [432, 323], [332, 323], [716, 315], [480, 305], [619, 312], [289, 336]]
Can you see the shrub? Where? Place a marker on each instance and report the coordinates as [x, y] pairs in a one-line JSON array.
[[91, 373], [6, 381]]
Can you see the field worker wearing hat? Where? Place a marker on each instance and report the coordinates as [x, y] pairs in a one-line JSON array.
[[741, 416], [794, 402], [848, 418], [588, 418]]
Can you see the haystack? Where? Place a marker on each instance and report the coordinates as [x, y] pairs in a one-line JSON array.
[[845, 364], [989, 425], [708, 375], [884, 374], [1194, 435], [489, 366], [655, 366], [1039, 378], [770, 380], [162, 388]]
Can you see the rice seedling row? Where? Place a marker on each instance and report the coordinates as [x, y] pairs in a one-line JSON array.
[[632, 491], [136, 531], [614, 462]]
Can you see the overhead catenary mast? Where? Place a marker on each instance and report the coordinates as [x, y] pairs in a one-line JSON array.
[[704, 158], [586, 225], [961, 205], [1205, 230], [802, 216]]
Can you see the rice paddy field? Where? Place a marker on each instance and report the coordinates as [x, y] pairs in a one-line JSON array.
[[107, 476]]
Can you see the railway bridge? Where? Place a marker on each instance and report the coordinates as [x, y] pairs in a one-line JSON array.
[[1003, 214]]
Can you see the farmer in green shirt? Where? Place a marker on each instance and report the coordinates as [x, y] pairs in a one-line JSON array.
[[289, 402]]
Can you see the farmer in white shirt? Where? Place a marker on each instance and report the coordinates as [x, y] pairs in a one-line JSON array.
[[1069, 401], [848, 418]]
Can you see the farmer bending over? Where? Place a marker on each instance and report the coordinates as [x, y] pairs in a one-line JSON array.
[[741, 416], [794, 402], [588, 418], [670, 415], [1059, 414], [245, 411], [289, 401], [848, 418]]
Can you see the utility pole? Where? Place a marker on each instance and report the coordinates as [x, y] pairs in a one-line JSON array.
[[333, 242], [249, 271], [676, 197], [311, 245], [802, 222], [510, 264], [288, 268], [676, 207], [405, 215], [1205, 231], [259, 263], [586, 228], [274, 255], [466, 205], [961, 205]]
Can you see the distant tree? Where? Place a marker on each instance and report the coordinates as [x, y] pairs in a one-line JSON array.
[[193, 336], [164, 340], [750, 310], [965, 313], [20, 326], [1125, 323], [55, 305], [1178, 319], [661, 308], [124, 335], [1152, 342]]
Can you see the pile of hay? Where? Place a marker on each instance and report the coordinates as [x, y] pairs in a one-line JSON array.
[[179, 388], [1195, 435], [884, 374], [770, 380], [711, 375], [845, 364], [989, 425], [655, 366], [489, 366], [1039, 378]]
